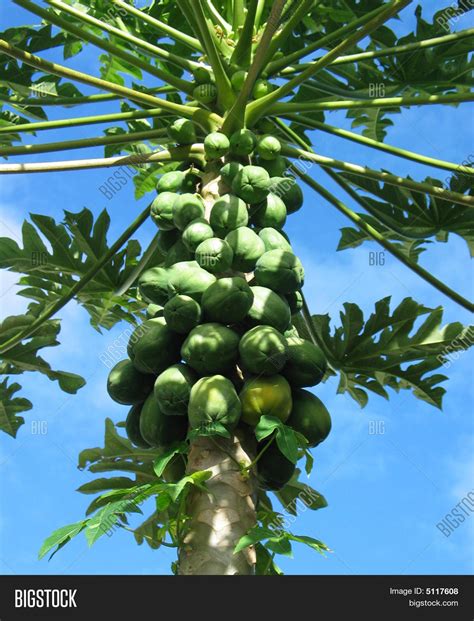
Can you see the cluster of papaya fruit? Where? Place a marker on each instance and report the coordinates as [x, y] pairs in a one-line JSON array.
[[219, 346]]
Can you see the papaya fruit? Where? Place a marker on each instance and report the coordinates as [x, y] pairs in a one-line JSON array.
[[216, 145], [202, 75], [295, 300], [214, 255], [228, 300], [271, 212], [182, 131], [289, 191], [229, 170], [173, 387], [237, 79], [251, 184], [268, 147], [187, 207], [182, 313], [214, 400], [153, 346], [247, 248], [276, 167], [211, 348], [159, 430], [268, 308], [229, 212], [153, 285], [261, 88], [128, 386], [242, 142], [310, 417], [171, 181], [265, 396], [166, 239], [305, 364], [196, 232], [132, 427], [274, 469], [274, 240], [191, 281], [279, 270], [205, 93], [177, 253], [263, 350], [161, 210], [154, 310]]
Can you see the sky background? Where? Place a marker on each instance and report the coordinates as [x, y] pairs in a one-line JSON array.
[[386, 492]]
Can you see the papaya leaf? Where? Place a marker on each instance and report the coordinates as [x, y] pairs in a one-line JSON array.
[[266, 426], [388, 351], [163, 460], [296, 491], [10, 407], [373, 120], [265, 565], [60, 537]]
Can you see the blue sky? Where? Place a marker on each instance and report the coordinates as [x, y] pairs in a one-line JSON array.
[[386, 492]]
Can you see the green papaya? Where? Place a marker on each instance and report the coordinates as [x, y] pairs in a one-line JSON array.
[[265, 396], [196, 232], [190, 182], [261, 88], [214, 255], [269, 213], [228, 213], [214, 400], [154, 310], [205, 93], [242, 142], [229, 170], [268, 147], [191, 281], [216, 145], [247, 248], [132, 427], [202, 75], [279, 270], [251, 184], [187, 207], [182, 131], [172, 389], [171, 181], [289, 191], [274, 240], [128, 386], [268, 308], [210, 348], [153, 346], [158, 429], [305, 364], [263, 350], [161, 210], [309, 417], [165, 240], [295, 300], [237, 79], [177, 253], [228, 300], [276, 167], [182, 313], [153, 285], [274, 469]]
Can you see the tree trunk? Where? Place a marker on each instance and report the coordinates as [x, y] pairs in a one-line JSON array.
[[220, 516]]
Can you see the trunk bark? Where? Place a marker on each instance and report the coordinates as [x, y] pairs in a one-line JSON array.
[[220, 516]]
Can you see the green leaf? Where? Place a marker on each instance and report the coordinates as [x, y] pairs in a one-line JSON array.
[[10, 406], [295, 491], [265, 565], [280, 545], [387, 350], [255, 534], [287, 443], [208, 430], [266, 426], [163, 460], [112, 483], [315, 544], [60, 537], [373, 120]]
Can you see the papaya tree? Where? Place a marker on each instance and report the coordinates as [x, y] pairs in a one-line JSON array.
[[214, 104]]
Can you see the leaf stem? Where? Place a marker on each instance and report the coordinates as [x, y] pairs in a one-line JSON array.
[[364, 171], [381, 146], [242, 53], [79, 285]]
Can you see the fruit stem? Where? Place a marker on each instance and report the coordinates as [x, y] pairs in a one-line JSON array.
[[254, 462]]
